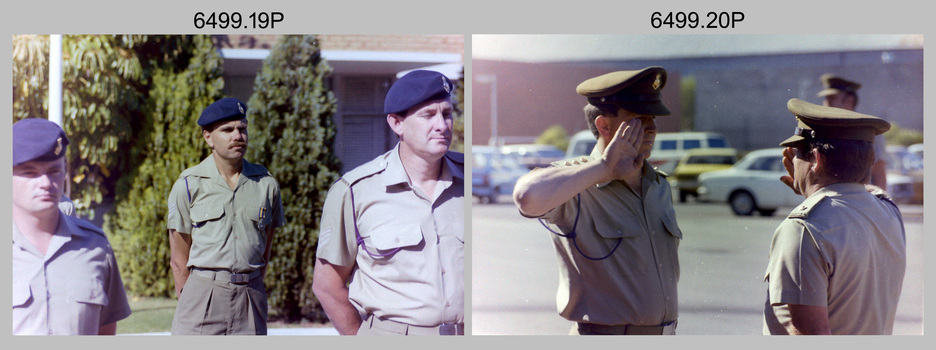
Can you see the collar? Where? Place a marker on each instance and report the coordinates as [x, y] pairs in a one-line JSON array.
[[842, 188], [208, 168], [396, 174], [63, 234]]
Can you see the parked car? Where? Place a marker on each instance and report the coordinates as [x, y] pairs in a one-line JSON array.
[[752, 184], [917, 149], [581, 144], [534, 155], [493, 173], [685, 177], [670, 147], [904, 175]]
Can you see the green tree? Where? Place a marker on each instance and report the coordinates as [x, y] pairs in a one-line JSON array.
[[458, 115], [100, 100], [555, 135], [292, 133], [902, 136], [185, 77]]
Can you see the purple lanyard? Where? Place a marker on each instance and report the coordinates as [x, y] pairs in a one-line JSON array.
[[571, 235], [357, 235]]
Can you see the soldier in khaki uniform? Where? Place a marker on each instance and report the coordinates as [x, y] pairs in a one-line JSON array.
[[837, 262], [221, 218], [618, 243], [842, 93], [394, 226], [65, 276]]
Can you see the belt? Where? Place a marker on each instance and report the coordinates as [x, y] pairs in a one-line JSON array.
[[225, 275], [668, 328], [408, 329]]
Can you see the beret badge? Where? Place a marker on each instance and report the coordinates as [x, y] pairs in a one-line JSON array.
[[58, 146]]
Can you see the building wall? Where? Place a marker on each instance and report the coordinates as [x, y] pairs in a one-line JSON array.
[[742, 97]]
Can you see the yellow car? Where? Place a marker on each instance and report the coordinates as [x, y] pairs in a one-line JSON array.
[[685, 177]]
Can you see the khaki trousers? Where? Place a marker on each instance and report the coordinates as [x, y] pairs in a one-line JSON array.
[[218, 307]]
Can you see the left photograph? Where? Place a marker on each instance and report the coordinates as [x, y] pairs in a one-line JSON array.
[[238, 185]]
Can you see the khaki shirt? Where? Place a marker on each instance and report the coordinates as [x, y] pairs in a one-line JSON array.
[[74, 289], [636, 285], [422, 283], [228, 227], [842, 248]]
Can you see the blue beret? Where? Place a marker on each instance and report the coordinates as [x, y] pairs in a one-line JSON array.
[[37, 139], [223, 109], [414, 88]]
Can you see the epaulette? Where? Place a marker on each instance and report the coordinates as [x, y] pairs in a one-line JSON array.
[[802, 211], [88, 226], [456, 157], [881, 194], [365, 170]]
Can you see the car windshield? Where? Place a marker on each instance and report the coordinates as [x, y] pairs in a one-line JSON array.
[[771, 163]]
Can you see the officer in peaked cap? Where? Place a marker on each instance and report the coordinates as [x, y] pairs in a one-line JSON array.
[[837, 262], [606, 286], [394, 226], [220, 243], [842, 93], [50, 248]]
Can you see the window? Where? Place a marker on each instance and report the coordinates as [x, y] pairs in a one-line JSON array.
[[668, 145], [690, 144], [717, 142]]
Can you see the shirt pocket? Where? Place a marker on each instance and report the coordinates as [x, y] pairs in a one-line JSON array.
[[390, 237], [611, 230], [260, 216], [88, 302], [206, 221], [22, 294], [669, 222]]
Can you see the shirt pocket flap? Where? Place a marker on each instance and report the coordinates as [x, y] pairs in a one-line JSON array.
[[671, 226], [259, 214], [21, 294], [398, 236], [611, 230], [204, 213], [89, 292]]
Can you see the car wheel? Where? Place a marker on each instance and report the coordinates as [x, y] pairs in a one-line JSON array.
[[742, 203], [493, 198], [766, 212], [682, 196]]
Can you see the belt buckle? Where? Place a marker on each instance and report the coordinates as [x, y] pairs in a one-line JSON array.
[[448, 329], [240, 278]]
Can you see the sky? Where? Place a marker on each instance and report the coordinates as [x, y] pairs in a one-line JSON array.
[[550, 48]]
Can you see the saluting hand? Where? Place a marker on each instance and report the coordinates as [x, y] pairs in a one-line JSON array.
[[622, 155], [788, 164]]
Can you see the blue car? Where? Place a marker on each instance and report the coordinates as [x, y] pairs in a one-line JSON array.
[[493, 173]]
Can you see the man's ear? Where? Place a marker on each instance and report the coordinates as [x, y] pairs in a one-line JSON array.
[[396, 123], [207, 135], [817, 161], [603, 124]]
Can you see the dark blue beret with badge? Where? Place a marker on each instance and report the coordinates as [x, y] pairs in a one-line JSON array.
[[227, 108], [37, 139], [414, 88]]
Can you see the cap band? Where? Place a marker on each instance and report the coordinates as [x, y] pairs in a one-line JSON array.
[[626, 98]]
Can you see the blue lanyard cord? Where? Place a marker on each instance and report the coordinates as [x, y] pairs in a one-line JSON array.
[[357, 235], [571, 235]]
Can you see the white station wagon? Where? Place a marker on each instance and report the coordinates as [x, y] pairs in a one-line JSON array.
[[752, 184]]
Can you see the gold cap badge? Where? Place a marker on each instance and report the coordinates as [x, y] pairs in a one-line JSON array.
[[657, 82], [58, 146], [240, 108]]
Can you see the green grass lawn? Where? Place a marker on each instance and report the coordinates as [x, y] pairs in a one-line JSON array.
[[149, 315], [153, 315]]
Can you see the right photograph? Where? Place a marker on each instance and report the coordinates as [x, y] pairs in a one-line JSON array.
[[697, 184]]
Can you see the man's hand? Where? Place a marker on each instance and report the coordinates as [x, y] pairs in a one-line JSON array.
[[622, 156], [788, 164]]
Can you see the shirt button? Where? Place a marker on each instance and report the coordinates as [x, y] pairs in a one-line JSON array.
[[447, 304], [443, 271], [661, 266]]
